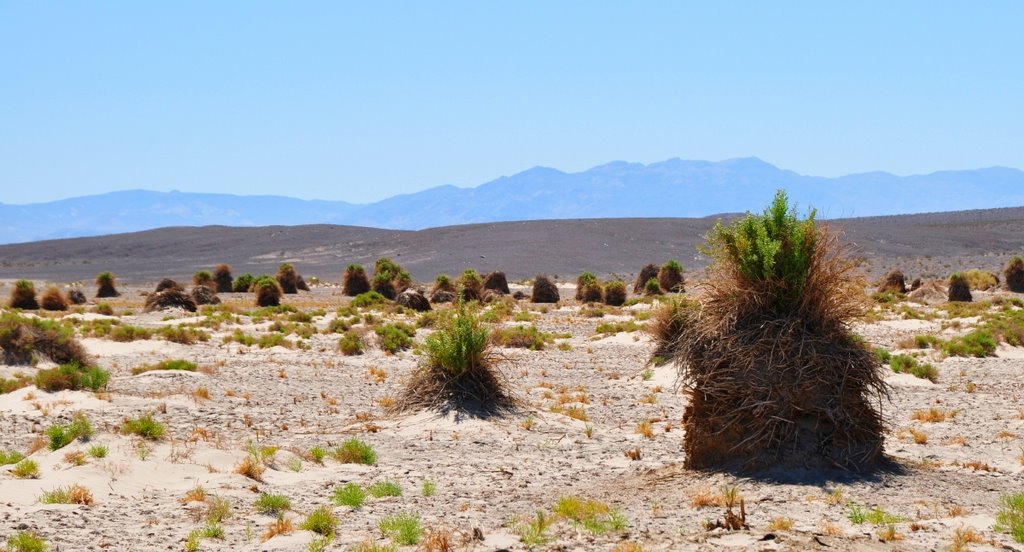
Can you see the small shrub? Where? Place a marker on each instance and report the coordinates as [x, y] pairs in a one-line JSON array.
[[395, 337], [71, 376], [351, 343], [53, 299], [524, 337], [272, 504], [10, 457], [243, 283], [321, 521], [251, 467], [471, 284], [169, 364], [98, 451], [1014, 275], [544, 290], [906, 364], [223, 282], [594, 516], [23, 296], [959, 289], [268, 292], [615, 293], [26, 469], [670, 277], [354, 451], [980, 280], [1010, 518], [355, 282], [106, 285], [977, 343], [62, 435], [350, 494], [369, 299], [429, 488], [23, 541], [381, 489], [205, 279], [144, 426], [403, 528], [318, 454], [73, 494], [287, 278]]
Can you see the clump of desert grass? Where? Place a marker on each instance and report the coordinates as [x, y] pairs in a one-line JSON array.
[[53, 299], [268, 291], [169, 295], [165, 284], [544, 290], [243, 283], [773, 373], [443, 290], [981, 280], [204, 278], [615, 293], [288, 278], [24, 339], [670, 277], [893, 282], [496, 281], [106, 285], [354, 281], [76, 296], [204, 295], [959, 289], [471, 285], [458, 372], [647, 273], [223, 279], [1014, 275], [23, 296], [385, 271], [588, 288]]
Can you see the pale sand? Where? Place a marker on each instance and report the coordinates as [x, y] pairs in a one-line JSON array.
[[487, 471]]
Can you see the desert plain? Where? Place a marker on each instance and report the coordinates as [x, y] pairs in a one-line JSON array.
[[272, 405]]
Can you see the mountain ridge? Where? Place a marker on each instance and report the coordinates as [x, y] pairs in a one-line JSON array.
[[618, 189]]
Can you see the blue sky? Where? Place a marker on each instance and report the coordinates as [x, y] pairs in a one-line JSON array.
[[360, 101]]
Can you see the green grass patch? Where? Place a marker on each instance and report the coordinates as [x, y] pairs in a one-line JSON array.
[[381, 489], [354, 451], [144, 426], [403, 528], [272, 504], [349, 494]]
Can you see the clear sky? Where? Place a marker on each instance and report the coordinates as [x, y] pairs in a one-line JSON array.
[[360, 101]]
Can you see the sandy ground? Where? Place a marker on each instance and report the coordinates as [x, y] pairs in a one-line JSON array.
[[491, 475]]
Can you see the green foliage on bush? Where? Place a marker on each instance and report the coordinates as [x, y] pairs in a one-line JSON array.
[[368, 299], [354, 451], [73, 377], [396, 336], [61, 435], [351, 343], [526, 337], [1010, 518], [774, 249], [243, 283], [144, 426], [906, 364], [459, 345]]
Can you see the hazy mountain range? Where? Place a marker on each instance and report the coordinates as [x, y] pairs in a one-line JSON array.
[[673, 188]]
